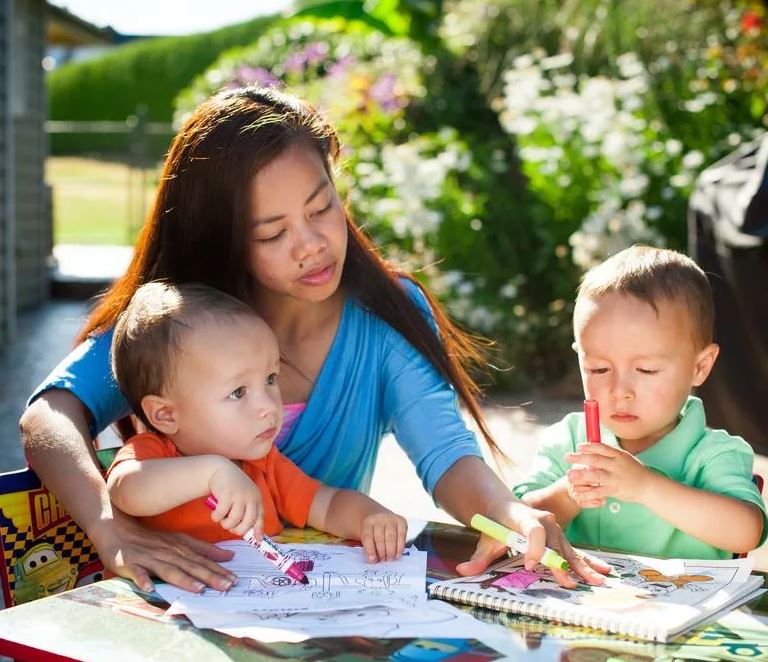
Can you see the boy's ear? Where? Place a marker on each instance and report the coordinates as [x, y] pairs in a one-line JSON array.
[[704, 363], [161, 413]]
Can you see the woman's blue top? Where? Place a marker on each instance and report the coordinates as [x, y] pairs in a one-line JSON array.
[[372, 382]]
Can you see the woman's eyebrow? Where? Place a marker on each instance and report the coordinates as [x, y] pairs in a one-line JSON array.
[[315, 192]]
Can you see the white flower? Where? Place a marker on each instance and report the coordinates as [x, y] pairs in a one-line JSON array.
[[509, 291], [633, 187], [629, 65], [674, 147], [693, 159], [680, 180]]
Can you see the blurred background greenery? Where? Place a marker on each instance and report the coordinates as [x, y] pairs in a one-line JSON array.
[[496, 147]]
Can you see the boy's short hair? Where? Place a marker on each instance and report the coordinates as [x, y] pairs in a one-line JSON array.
[[653, 275], [150, 332]]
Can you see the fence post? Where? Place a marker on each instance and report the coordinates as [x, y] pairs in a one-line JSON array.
[[138, 149]]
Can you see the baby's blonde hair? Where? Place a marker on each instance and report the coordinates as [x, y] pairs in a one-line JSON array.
[[150, 333], [653, 275]]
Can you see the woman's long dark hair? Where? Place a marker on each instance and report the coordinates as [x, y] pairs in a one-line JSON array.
[[198, 226]]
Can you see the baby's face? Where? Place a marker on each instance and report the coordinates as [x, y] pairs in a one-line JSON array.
[[225, 390], [638, 364]]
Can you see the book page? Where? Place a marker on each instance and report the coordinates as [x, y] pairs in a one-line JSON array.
[[340, 579], [653, 594]]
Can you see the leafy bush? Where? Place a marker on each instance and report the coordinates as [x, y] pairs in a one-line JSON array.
[[148, 73], [617, 116], [533, 140]]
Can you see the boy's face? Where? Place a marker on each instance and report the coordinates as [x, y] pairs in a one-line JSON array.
[[224, 394], [639, 365]]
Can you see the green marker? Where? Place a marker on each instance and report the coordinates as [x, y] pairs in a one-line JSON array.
[[515, 541]]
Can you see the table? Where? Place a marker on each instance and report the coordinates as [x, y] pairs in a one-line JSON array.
[[111, 620]]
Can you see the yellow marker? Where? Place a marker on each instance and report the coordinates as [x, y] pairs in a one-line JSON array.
[[515, 541]]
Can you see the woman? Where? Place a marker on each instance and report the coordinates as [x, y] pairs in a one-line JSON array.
[[247, 204]]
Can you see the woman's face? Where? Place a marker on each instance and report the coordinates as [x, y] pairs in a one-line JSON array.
[[298, 231]]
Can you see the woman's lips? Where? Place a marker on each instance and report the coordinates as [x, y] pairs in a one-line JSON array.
[[319, 276]]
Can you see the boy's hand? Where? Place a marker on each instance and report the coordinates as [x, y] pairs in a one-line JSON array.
[[239, 500], [383, 536], [602, 471]]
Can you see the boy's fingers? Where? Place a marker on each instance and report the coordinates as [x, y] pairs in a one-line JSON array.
[[402, 535], [391, 537], [589, 461], [258, 525], [602, 450], [380, 540], [234, 516], [369, 544]]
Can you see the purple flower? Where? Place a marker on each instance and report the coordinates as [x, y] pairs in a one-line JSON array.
[[315, 52], [383, 93], [256, 76], [339, 67], [295, 62]]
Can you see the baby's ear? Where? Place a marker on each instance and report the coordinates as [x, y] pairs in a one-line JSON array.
[[704, 363], [161, 413]]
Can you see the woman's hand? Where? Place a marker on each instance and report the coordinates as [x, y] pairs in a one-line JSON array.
[[130, 550], [541, 529]]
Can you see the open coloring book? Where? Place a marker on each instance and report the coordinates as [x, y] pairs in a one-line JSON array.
[[644, 597], [340, 579]]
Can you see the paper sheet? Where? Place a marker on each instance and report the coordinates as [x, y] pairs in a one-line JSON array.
[[341, 579], [432, 620]]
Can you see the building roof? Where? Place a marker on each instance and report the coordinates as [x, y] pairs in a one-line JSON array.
[[63, 28]]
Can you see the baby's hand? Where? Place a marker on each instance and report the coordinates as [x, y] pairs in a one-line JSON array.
[[383, 536], [601, 471], [239, 500]]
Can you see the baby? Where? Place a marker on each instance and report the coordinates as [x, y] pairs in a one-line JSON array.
[[200, 370]]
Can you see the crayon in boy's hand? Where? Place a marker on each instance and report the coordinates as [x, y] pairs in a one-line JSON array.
[[592, 416]]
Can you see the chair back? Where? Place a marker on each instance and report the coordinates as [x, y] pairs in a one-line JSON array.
[[757, 479], [44, 551]]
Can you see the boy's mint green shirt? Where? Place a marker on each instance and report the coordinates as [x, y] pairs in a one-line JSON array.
[[691, 454]]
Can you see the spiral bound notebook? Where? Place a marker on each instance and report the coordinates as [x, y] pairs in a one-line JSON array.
[[643, 597]]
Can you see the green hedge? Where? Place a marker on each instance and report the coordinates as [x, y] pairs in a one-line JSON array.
[[147, 73]]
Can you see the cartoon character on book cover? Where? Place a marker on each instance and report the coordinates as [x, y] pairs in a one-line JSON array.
[[44, 551]]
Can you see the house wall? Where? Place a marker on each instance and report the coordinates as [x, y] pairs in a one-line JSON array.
[[33, 231], [7, 289]]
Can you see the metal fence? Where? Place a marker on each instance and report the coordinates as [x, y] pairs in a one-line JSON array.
[[133, 160]]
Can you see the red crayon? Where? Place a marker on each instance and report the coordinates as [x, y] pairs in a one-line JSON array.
[[592, 416], [270, 551]]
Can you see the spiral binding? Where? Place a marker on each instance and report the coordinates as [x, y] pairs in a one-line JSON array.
[[560, 615]]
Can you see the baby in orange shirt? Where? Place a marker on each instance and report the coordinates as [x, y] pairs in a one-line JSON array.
[[200, 370]]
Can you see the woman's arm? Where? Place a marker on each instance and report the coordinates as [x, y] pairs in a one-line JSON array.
[[470, 486], [421, 408], [556, 499], [59, 448]]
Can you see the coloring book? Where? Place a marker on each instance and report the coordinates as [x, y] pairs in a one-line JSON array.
[[643, 597]]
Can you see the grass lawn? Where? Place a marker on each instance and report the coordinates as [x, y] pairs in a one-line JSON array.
[[97, 201]]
